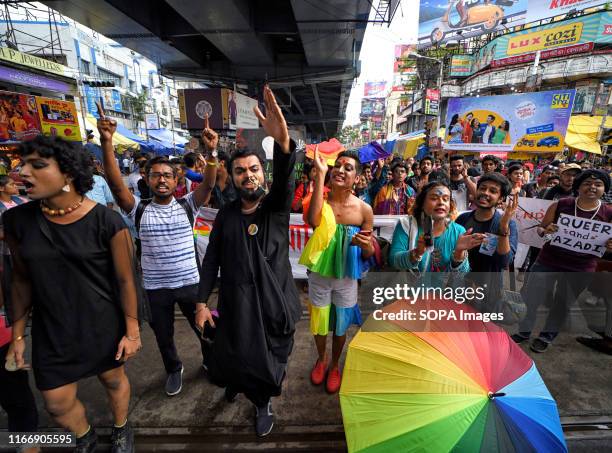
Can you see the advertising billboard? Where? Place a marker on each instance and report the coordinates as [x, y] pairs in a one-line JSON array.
[[370, 107], [58, 118], [403, 60], [518, 122], [374, 89], [445, 20], [19, 120], [543, 9]]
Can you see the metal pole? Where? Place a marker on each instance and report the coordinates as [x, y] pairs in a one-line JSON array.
[[441, 74]]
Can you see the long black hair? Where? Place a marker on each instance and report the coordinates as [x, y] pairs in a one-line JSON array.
[[417, 209]]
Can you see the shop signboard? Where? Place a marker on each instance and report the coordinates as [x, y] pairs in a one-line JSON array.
[[19, 120], [553, 53], [534, 122], [374, 89], [441, 21], [58, 118], [571, 34], [432, 102], [32, 80], [543, 9], [34, 62], [461, 65]]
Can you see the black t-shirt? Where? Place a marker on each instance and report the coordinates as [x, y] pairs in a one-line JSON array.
[[556, 193], [473, 171], [479, 262]]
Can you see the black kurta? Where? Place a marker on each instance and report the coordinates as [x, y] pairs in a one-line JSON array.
[[258, 301]]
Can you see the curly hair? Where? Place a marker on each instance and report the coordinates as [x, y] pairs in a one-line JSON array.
[[73, 160]]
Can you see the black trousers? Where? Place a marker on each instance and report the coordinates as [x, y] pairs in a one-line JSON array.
[[162, 320], [16, 398]]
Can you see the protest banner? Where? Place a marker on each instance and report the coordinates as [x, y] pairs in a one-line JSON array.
[[582, 235], [299, 233], [528, 215]]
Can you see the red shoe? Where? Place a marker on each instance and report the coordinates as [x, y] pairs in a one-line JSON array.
[[333, 380], [317, 375]]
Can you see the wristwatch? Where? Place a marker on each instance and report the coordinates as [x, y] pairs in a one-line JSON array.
[[214, 153]]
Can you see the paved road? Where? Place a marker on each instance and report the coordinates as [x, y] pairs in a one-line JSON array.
[[307, 418]]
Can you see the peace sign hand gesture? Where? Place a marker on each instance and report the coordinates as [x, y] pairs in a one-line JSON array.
[[274, 122]]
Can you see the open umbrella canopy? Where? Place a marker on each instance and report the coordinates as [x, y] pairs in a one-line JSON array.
[[329, 150], [465, 387]]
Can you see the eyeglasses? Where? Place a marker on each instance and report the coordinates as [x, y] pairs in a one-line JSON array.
[[157, 175]]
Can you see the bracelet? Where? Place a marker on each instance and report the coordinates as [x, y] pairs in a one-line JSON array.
[[505, 233], [133, 338], [212, 164], [414, 257], [20, 337]]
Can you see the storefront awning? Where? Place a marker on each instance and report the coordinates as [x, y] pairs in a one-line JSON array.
[[582, 132], [164, 135], [118, 139]]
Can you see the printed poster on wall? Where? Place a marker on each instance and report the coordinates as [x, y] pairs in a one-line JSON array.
[[519, 122], [59, 118], [19, 119]]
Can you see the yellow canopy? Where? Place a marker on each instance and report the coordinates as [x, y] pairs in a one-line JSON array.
[[118, 140], [582, 132], [408, 148]]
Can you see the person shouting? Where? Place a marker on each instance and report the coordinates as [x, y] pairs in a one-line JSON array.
[[165, 228], [258, 302]]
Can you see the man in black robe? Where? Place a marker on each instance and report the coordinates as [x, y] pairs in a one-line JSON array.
[[258, 302]]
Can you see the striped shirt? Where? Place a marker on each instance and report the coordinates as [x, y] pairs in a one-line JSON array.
[[168, 253]]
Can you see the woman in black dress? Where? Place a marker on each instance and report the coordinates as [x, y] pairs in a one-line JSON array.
[[73, 265]]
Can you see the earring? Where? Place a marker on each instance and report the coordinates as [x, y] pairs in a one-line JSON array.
[[66, 188]]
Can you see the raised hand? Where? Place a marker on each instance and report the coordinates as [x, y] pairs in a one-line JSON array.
[[510, 208], [274, 122], [209, 137], [106, 127], [320, 163]]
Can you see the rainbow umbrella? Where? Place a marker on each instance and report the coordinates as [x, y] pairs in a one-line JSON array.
[[451, 385]]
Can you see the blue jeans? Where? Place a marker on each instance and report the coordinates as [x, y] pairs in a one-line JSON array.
[[540, 287]]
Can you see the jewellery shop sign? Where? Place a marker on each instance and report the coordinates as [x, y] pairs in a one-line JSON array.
[[582, 235]]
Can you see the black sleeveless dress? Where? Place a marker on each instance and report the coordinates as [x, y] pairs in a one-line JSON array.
[[77, 319]]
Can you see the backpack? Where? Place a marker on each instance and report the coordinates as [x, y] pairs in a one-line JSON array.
[[142, 204]]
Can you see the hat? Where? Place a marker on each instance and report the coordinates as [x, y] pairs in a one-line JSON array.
[[571, 166]]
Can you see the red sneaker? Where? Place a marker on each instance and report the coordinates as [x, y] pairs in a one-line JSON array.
[[317, 375], [333, 380]]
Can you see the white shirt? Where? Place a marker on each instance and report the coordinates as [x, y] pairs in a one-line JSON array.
[[168, 251]]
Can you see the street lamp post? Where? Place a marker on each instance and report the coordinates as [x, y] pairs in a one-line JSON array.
[[440, 76]]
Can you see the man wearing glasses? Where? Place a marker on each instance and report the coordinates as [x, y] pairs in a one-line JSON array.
[[165, 226]]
